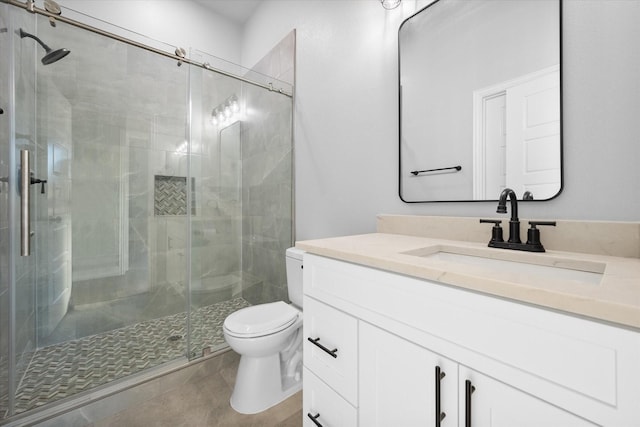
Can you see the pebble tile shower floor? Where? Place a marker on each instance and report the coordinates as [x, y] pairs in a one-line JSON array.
[[62, 370]]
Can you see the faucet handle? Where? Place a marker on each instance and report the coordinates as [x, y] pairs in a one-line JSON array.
[[533, 234], [496, 222], [534, 223], [496, 231]]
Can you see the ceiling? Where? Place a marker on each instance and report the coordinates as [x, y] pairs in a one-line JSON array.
[[238, 11]]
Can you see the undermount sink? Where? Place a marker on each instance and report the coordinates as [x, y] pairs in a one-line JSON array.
[[525, 267]]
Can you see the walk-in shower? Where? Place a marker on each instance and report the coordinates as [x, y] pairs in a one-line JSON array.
[[148, 222]]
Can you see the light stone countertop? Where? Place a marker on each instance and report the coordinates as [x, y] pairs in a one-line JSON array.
[[615, 299]]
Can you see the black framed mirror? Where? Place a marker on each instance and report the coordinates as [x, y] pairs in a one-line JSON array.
[[480, 100]]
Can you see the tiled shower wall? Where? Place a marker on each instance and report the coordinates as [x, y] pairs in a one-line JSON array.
[[267, 178], [237, 238], [244, 178], [138, 248], [215, 227], [124, 134]]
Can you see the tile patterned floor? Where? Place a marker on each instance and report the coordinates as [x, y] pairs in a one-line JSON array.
[[62, 370]]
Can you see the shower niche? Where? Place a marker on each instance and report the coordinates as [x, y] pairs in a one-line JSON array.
[[170, 195]]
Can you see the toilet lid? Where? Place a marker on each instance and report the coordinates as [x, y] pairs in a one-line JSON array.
[[262, 319]]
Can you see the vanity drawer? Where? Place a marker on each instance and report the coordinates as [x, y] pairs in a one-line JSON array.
[[325, 405], [331, 347]]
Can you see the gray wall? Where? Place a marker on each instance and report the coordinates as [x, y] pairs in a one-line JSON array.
[[346, 114]]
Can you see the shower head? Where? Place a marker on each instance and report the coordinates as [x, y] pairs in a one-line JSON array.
[[55, 55], [51, 55]]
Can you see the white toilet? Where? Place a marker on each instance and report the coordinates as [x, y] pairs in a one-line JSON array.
[[268, 338]]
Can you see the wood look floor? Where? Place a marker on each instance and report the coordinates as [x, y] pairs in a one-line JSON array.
[[204, 401]]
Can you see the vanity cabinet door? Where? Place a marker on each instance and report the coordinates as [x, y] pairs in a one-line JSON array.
[[486, 402], [398, 382]]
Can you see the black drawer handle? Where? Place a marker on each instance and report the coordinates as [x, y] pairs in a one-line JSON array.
[[332, 353], [314, 418], [468, 389], [439, 414]]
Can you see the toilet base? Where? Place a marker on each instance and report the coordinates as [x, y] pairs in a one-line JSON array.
[[260, 385]]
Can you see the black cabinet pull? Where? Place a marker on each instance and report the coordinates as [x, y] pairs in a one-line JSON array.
[[314, 418], [468, 389], [332, 353], [439, 414]]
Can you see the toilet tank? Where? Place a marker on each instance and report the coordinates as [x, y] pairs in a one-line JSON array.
[[294, 275]]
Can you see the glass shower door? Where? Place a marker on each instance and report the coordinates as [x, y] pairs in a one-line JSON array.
[[103, 294], [113, 120], [242, 160], [5, 213], [52, 193], [18, 160], [150, 221]]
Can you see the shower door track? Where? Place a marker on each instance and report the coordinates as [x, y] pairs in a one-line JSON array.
[[29, 6]]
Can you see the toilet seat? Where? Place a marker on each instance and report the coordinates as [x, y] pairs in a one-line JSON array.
[[260, 320]]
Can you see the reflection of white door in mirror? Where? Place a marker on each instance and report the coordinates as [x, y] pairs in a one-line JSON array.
[[516, 141]]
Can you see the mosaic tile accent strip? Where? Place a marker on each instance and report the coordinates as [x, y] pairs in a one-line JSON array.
[[69, 368], [170, 195]]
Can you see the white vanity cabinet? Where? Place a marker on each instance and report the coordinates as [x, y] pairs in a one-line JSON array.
[[504, 363]]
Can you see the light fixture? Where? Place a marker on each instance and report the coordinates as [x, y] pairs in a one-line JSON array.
[[225, 112], [183, 148], [235, 107], [390, 4]]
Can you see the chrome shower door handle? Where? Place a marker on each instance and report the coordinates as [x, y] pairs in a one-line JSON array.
[[25, 185]]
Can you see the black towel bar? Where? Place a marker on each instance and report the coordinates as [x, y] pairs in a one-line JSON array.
[[457, 168]]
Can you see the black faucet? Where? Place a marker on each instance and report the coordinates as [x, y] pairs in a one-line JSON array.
[[533, 243], [514, 222]]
